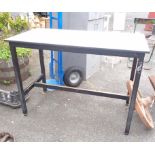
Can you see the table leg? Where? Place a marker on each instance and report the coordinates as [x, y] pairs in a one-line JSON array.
[[18, 78], [132, 75], [42, 66], [134, 93]]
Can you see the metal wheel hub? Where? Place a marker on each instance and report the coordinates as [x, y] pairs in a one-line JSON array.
[[74, 77]]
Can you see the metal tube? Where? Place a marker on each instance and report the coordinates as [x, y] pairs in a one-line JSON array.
[[42, 66], [82, 91], [31, 86], [51, 23], [51, 65], [132, 75], [18, 78], [134, 93], [60, 57], [84, 50], [59, 20]]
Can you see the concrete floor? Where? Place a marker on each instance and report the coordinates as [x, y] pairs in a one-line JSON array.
[[69, 117]]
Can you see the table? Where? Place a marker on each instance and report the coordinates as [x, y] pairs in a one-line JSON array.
[[86, 42]]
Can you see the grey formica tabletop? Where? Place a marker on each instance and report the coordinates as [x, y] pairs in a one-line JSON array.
[[131, 42]]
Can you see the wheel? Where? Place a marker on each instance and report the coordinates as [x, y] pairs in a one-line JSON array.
[[73, 77]]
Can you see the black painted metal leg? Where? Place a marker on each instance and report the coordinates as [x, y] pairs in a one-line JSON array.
[[41, 58], [18, 78], [134, 93], [132, 75]]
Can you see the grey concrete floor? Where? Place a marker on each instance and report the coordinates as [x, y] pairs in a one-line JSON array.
[[59, 116]]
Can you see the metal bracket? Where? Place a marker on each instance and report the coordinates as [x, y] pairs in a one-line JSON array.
[[139, 68]]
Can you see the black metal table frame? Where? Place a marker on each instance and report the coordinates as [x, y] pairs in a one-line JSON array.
[[134, 76]]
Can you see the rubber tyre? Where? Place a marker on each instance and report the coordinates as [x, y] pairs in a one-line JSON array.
[[67, 76]]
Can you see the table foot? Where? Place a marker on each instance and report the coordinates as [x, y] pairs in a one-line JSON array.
[[126, 132], [127, 103], [25, 112]]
